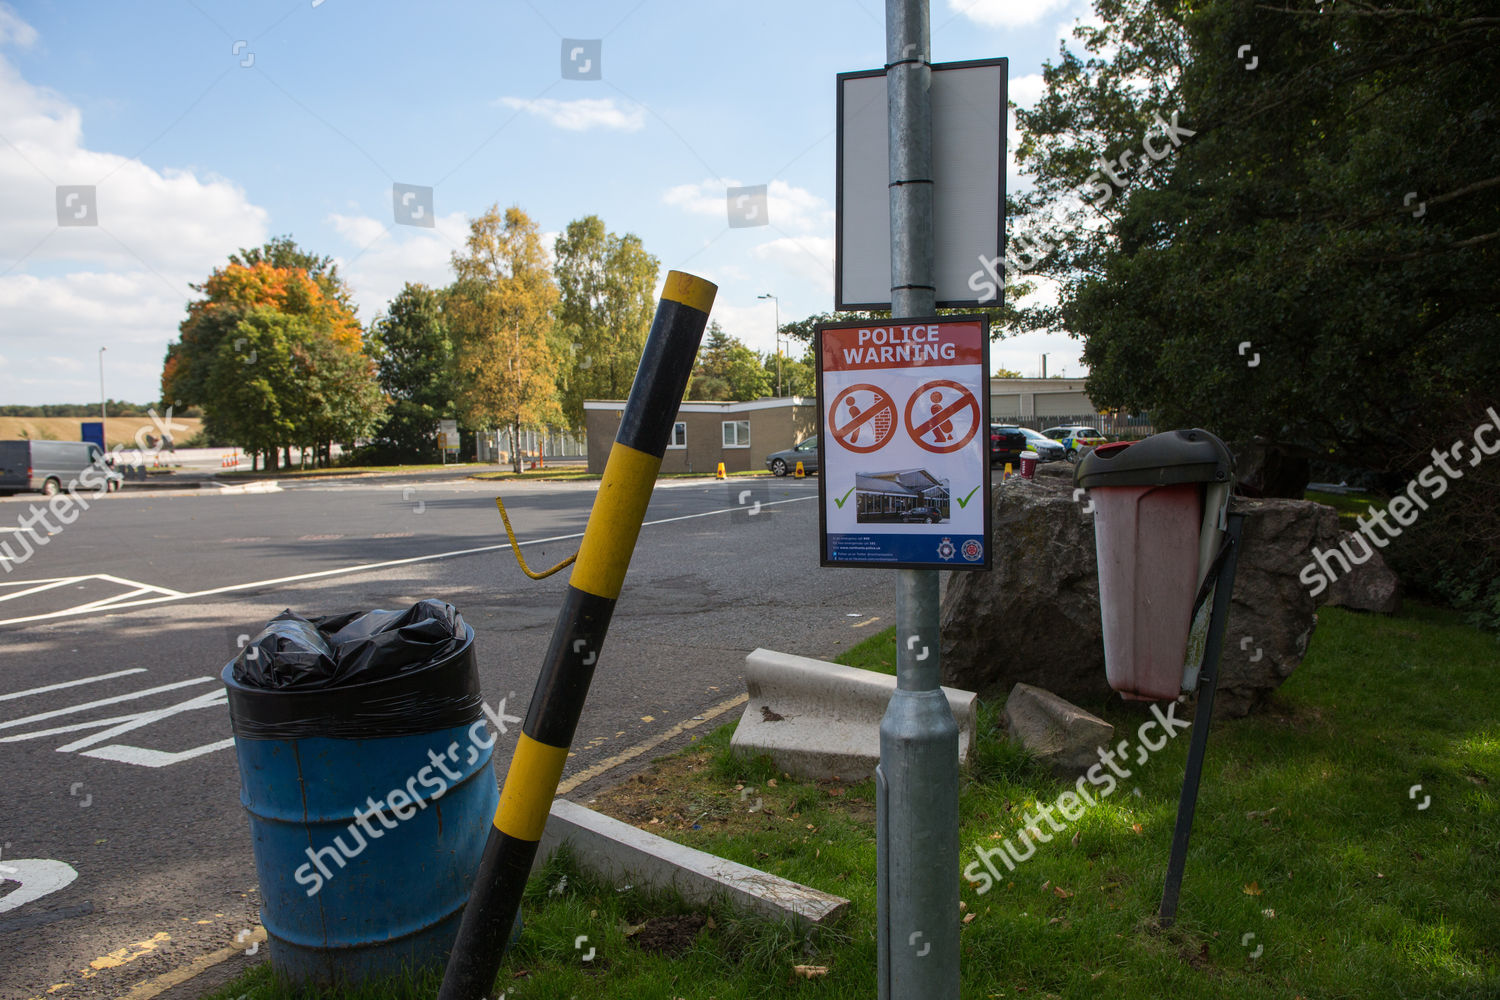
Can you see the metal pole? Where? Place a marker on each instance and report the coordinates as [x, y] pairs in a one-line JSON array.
[[1208, 682], [917, 779], [777, 302], [598, 575]]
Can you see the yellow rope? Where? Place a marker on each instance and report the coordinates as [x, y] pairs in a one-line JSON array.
[[515, 547]]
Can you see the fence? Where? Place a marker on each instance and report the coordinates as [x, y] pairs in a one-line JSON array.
[[550, 442], [1110, 425]]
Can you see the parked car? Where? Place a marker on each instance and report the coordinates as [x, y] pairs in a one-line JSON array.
[[51, 466], [1076, 438], [921, 515], [806, 452], [1006, 444], [1047, 450]]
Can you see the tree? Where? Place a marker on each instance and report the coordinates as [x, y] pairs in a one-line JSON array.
[[1302, 256], [414, 359], [227, 333], [499, 311], [606, 286], [728, 370]]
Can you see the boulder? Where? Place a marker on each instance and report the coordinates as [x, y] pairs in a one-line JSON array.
[[1035, 618], [1060, 734], [1369, 586]]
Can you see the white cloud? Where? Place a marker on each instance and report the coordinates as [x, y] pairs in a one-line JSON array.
[[67, 290], [13, 30], [1006, 13], [381, 259], [581, 115], [806, 257], [789, 207]]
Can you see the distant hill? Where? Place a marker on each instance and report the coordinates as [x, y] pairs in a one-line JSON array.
[[117, 430]]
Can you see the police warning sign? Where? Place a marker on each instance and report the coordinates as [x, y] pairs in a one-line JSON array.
[[904, 442]]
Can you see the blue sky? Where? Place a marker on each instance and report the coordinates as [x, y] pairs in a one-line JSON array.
[[205, 126]]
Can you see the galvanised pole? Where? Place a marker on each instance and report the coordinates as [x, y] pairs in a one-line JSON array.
[[917, 779], [598, 574]]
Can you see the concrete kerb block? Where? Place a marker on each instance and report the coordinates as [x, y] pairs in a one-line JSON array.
[[1060, 734], [820, 720], [620, 853]]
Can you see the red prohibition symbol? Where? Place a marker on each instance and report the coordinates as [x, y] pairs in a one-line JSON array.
[[864, 429], [934, 407]]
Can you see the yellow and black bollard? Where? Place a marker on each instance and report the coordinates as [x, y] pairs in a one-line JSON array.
[[593, 587]]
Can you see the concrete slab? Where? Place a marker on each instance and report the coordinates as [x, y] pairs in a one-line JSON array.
[[621, 853], [820, 720]]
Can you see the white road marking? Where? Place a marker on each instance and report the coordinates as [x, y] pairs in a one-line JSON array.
[[137, 583], [61, 581], [154, 758], [38, 877], [365, 567], [104, 701], [68, 684]]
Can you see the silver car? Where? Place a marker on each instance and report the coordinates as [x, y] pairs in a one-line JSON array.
[[806, 452]]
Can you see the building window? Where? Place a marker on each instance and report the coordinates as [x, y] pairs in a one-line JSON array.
[[736, 433], [679, 436]]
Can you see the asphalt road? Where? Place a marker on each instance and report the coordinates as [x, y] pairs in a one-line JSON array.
[[115, 745]]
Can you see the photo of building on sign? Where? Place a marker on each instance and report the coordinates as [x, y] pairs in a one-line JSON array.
[[911, 496]]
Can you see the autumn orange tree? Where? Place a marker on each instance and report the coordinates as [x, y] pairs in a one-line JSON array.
[[499, 313], [274, 355]]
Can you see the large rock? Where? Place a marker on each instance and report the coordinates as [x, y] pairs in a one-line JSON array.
[[1060, 734], [1035, 618], [1369, 586]]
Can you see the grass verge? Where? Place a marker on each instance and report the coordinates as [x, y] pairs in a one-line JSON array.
[[1313, 871]]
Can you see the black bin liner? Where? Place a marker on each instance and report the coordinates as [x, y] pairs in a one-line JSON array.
[[356, 675]]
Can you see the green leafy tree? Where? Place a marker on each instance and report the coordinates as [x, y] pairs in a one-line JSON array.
[[414, 360], [605, 286], [326, 348], [499, 313], [1309, 261], [728, 370]]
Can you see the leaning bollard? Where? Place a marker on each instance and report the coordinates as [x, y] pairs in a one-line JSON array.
[[598, 574]]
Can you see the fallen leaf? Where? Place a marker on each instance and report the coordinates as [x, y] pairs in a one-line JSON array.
[[810, 971], [771, 783], [1075, 839], [1061, 892], [968, 917], [1253, 889], [1136, 827]]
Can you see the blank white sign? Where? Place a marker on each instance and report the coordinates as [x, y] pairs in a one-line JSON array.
[[968, 167]]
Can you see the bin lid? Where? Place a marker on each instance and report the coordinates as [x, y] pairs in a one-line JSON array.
[[1192, 456]]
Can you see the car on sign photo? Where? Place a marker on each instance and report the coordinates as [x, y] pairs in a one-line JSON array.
[[782, 462]]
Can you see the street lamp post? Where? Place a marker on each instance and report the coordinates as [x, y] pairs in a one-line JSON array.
[[777, 303], [102, 414]]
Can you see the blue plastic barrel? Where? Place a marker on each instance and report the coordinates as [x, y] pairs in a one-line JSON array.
[[366, 849]]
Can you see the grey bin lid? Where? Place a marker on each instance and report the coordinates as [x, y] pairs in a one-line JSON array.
[[1164, 459]]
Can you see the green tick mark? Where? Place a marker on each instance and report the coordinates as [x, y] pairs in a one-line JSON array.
[[964, 502], [840, 500]]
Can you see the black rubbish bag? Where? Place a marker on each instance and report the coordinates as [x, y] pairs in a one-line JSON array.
[[357, 674]]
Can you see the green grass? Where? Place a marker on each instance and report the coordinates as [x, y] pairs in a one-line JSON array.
[[1306, 837], [1349, 505], [575, 472], [336, 470]]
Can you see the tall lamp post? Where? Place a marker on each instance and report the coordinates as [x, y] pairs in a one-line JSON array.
[[102, 414], [777, 302]]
